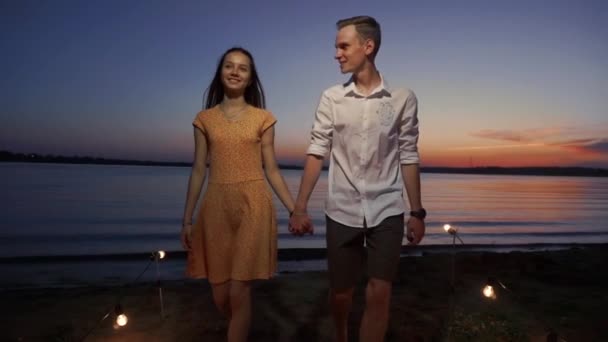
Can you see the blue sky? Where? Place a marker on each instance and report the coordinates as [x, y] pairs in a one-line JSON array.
[[515, 83]]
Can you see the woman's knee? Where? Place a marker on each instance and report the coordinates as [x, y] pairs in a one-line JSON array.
[[341, 297], [221, 295], [240, 291]]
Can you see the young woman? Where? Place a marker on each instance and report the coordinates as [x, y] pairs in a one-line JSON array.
[[234, 237]]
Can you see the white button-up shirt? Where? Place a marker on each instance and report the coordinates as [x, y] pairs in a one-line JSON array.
[[368, 137]]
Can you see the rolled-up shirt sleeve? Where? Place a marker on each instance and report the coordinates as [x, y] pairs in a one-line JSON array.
[[322, 128], [408, 133]]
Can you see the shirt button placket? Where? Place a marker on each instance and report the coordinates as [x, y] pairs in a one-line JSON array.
[[364, 146], [363, 156]]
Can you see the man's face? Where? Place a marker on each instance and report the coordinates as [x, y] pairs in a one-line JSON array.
[[351, 50]]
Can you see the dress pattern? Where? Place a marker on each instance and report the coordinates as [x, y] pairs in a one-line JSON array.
[[234, 236]]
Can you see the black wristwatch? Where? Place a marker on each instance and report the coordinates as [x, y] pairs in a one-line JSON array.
[[419, 214]]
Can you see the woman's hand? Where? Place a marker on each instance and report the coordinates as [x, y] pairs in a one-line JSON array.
[[186, 236], [300, 224]]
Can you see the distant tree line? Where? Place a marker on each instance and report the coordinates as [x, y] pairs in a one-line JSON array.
[[6, 156], [50, 158], [528, 171]]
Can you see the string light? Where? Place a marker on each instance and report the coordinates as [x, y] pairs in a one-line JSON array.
[[452, 231], [158, 255], [121, 318], [448, 228], [488, 292], [492, 283]]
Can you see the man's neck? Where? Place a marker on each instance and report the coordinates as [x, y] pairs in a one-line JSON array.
[[367, 79]]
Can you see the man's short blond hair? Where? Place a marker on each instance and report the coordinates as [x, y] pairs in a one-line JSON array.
[[367, 28]]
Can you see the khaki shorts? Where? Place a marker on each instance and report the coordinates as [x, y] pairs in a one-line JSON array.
[[350, 250]]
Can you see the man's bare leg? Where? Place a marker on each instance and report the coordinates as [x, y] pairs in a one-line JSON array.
[[376, 314]]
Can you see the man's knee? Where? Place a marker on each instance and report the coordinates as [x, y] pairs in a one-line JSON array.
[[378, 292]]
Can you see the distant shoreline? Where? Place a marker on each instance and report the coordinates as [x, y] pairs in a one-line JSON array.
[[6, 156]]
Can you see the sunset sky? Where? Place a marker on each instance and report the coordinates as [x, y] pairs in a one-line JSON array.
[[509, 83]]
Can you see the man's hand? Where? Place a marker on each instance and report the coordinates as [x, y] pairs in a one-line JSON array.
[[415, 230], [300, 224]]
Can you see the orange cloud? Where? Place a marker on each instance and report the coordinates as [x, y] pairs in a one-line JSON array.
[[527, 135], [551, 146], [569, 138], [494, 147], [513, 155]]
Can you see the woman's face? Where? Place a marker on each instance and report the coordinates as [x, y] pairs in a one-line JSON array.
[[236, 72]]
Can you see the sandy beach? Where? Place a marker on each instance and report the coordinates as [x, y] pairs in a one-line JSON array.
[[563, 291]]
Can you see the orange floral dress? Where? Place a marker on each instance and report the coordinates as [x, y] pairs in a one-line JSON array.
[[235, 234]]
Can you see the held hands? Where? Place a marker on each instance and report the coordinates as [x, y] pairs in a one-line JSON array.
[[415, 230], [300, 224]]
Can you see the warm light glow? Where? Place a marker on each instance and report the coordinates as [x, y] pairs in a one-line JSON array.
[[121, 320], [488, 291], [161, 254], [449, 229]]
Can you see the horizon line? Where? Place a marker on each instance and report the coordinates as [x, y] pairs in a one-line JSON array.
[[7, 156]]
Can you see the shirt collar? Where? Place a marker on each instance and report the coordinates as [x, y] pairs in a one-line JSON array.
[[381, 90]]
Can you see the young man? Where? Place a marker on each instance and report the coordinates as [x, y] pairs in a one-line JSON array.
[[371, 132]]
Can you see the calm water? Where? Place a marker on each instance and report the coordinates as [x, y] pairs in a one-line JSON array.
[[59, 209]]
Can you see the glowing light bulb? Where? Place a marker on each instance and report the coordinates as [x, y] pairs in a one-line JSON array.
[[448, 228], [161, 254], [122, 320], [488, 292]]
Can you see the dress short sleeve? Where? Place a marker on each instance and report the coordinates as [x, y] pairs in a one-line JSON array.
[[269, 120], [198, 123]]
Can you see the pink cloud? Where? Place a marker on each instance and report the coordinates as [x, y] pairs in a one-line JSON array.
[[528, 135], [573, 138]]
